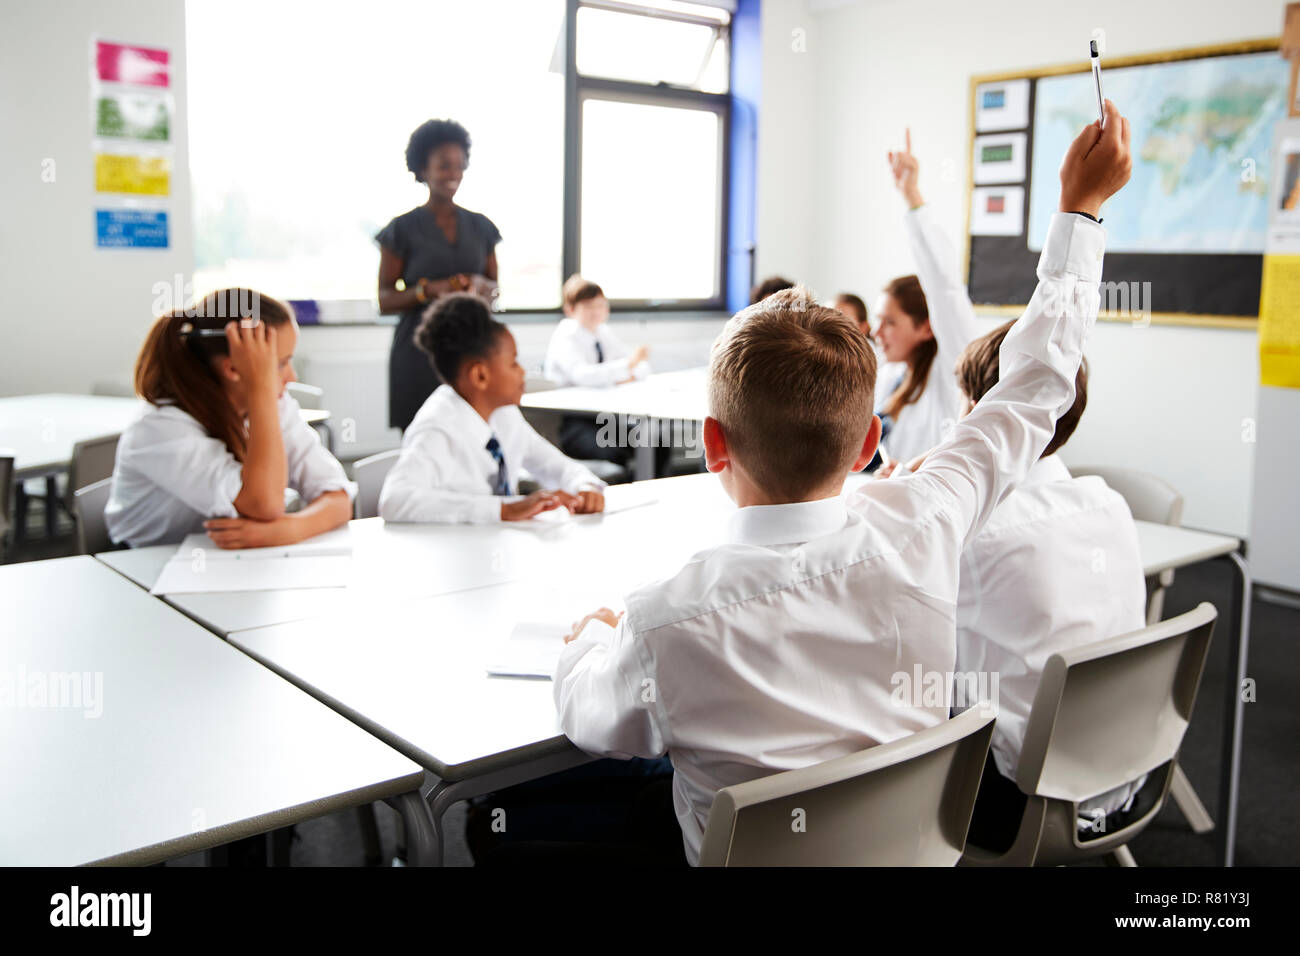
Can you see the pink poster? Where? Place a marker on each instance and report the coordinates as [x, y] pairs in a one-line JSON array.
[[143, 66]]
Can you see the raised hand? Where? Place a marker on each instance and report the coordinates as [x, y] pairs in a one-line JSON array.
[[906, 169], [1097, 165]]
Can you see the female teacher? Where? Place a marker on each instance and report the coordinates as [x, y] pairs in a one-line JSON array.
[[435, 249]]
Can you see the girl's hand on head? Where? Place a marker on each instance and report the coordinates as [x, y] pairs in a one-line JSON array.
[[254, 358]]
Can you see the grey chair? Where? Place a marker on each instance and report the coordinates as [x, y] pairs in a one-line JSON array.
[[1104, 715], [369, 474], [88, 506], [905, 803], [1153, 499], [6, 493], [92, 461]]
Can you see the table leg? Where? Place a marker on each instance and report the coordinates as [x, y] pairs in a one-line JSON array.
[[1234, 706], [423, 832], [643, 465]]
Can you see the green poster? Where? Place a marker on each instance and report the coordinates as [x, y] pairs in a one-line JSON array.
[[133, 116]]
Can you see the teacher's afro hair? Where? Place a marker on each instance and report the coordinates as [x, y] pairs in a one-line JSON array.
[[456, 329], [427, 137]]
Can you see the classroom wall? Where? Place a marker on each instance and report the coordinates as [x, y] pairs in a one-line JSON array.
[[75, 314], [1168, 400]]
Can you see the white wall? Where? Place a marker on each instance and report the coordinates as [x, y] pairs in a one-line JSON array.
[[1167, 400], [73, 313]]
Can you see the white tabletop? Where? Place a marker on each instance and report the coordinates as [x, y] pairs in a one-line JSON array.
[[41, 429], [1167, 546], [194, 744], [681, 395]]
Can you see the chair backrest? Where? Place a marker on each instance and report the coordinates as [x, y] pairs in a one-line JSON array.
[[92, 460], [1149, 498], [6, 492], [369, 474], [905, 803], [1108, 712], [88, 506]]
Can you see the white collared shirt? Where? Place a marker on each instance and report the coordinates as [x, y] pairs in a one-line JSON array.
[[171, 475], [796, 641], [571, 357], [446, 473], [929, 420], [1056, 567]]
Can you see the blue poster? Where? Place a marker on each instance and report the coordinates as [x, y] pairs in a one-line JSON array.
[[130, 229]]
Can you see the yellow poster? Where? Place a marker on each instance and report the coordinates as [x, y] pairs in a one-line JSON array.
[[1279, 322], [149, 175]]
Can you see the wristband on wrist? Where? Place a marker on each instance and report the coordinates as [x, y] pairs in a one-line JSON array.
[[1087, 215]]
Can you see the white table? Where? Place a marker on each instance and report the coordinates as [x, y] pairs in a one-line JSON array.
[[1169, 548], [662, 399], [188, 746]]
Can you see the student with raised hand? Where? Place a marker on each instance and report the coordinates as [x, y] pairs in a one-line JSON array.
[[778, 649], [462, 454], [223, 440], [925, 320], [1057, 566]]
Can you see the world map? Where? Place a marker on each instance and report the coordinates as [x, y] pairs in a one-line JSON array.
[[1201, 134]]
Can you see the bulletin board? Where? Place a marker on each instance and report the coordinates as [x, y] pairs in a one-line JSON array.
[[1188, 232]]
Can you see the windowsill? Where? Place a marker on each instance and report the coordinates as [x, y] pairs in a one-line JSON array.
[[353, 313]]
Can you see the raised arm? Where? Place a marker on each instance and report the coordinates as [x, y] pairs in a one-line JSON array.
[[998, 442], [952, 317], [265, 470]]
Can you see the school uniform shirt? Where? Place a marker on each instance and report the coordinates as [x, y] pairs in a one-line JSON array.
[[920, 426], [447, 474], [798, 639], [578, 356], [171, 475], [1057, 566]]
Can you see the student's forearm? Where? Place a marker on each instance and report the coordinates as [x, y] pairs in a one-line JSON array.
[[265, 468], [326, 513]]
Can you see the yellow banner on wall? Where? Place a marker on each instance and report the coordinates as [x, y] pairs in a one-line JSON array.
[[1279, 322], [147, 175]]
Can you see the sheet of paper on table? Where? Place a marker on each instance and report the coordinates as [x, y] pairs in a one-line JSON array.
[[200, 567]]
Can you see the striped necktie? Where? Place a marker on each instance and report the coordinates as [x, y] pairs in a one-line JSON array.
[[600, 353], [502, 485]]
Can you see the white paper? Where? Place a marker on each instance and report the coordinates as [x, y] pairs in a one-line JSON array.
[[1002, 105], [997, 211], [531, 650], [989, 164], [336, 542], [200, 567]]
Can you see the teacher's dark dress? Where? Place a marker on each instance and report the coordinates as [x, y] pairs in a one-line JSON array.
[[416, 239]]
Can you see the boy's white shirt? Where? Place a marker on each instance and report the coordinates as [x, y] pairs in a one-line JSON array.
[[571, 356], [171, 475], [1057, 566], [445, 473], [929, 420], [784, 647]]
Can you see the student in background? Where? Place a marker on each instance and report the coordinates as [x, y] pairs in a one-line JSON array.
[[769, 286], [777, 649], [925, 320], [462, 455], [223, 440], [585, 351], [853, 306], [1057, 566]]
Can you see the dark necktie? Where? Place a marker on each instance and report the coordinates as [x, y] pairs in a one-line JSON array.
[[502, 485], [600, 353]]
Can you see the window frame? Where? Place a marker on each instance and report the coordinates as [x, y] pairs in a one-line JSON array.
[[579, 88]]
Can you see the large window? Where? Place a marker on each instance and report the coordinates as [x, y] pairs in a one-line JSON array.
[[599, 140], [299, 115]]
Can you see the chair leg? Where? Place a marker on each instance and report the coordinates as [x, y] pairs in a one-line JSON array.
[[1121, 856], [370, 834], [51, 505], [1180, 788]]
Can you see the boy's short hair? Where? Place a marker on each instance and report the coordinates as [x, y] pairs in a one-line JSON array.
[[977, 372], [577, 289], [456, 329], [769, 286], [792, 383]]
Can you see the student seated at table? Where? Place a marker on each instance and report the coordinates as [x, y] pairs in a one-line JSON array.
[[223, 440], [769, 286], [462, 455], [1057, 566], [853, 306], [777, 650], [585, 351]]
